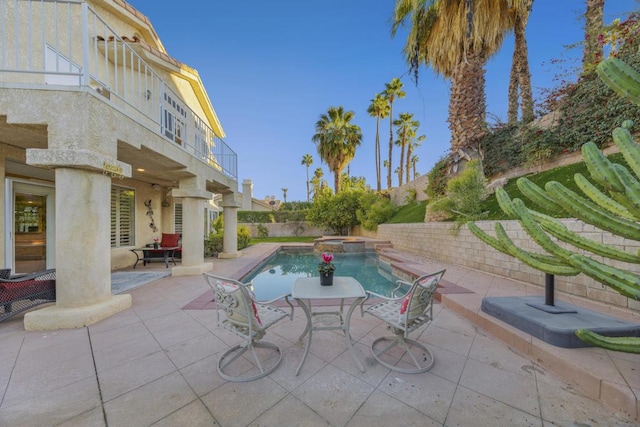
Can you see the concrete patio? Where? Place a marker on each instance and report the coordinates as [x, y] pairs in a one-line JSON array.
[[154, 364]]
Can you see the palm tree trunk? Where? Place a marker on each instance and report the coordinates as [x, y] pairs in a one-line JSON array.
[[520, 78], [336, 180], [390, 144], [408, 162], [307, 183], [378, 153], [467, 106], [594, 23]]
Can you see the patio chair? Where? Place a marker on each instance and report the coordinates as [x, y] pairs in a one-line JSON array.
[[5, 273], [239, 312], [26, 291], [403, 315]]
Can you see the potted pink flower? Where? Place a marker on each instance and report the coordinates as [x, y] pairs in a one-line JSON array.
[[326, 269]]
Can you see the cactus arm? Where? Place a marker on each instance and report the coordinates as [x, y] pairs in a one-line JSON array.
[[561, 232], [487, 238], [631, 185], [601, 199], [624, 344], [504, 201], [537, 195], [626, 283], [628, 147], [588, 212], [537, 234], [621, 78], [534, 262], [599, 167], [499, 246]]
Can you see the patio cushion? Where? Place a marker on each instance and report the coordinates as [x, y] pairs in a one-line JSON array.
[[239, 315], [170, 240], [416, 306]]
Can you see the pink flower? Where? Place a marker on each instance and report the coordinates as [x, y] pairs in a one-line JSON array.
[[155, 239], [327, 258]]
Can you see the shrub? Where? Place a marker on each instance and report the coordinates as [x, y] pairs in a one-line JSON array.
[[374, 209], [438, 178], [263, 231], [214, 244], [336, 213], [464, 196]]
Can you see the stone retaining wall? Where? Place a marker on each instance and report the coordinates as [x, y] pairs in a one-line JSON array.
[[286, 229], [434, 240]]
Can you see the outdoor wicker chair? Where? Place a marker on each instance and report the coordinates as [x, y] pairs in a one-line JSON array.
[[239, 312], [26, 291], [403, 315], [5, 273]]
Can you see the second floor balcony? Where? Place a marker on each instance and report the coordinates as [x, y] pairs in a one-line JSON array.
[[61, 44]]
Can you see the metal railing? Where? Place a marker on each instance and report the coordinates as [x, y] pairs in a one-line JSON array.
[[66, 43]]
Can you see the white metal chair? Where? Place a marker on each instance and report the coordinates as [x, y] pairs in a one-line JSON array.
[[239, 312], [403, 315]]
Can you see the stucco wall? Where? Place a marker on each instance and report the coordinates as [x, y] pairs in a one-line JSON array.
[[286, 229], [434, 240]]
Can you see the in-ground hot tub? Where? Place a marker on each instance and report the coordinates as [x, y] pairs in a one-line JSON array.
[[346, 245]]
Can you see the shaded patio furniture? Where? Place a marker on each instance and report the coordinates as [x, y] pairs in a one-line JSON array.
[[152, 253], [239, 312], [5, 273], [26, 291], [403, 315]]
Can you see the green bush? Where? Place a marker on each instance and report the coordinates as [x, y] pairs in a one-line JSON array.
[[438, 178], [374, 209], [271, 216], [464, 196], [263, 231], [214, 244], [336, 213]]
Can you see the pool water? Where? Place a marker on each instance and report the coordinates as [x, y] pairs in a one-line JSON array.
[[276, 275]]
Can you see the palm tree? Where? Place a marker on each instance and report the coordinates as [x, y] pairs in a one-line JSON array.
[[317, 182], [379, 108], [414, 161], [284, 193], [336, 139], [520, 75], [594, 23], [412, 143], [392, 92], [455, 38], [405, 125], [307, 160]]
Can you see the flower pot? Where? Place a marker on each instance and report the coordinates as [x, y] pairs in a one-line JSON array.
[[155, 245], [326, 279]]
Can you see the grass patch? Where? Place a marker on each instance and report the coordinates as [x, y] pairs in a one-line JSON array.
[[288, 239], [563, 175], [413, 212]]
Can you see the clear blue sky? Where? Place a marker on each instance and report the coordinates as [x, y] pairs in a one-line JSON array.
[[272, 67]]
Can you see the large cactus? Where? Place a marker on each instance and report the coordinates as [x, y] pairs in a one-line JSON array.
[[616, 210]]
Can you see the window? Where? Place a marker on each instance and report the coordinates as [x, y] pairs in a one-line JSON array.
[[174, 119], [122, 217], [177, 225]]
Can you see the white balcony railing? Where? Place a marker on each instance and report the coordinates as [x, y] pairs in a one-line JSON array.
[[65, 42]]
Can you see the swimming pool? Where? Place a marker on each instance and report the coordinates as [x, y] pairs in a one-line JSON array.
[[276, 275]]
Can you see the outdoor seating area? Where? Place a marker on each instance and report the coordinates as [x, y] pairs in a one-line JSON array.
[[155, 364]]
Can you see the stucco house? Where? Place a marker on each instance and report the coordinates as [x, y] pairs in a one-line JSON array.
[[106, 141]]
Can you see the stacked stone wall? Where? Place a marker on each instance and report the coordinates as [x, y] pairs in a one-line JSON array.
[[435, 240]]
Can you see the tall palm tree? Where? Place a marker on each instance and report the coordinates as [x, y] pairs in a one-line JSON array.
[[317, 182], [336, 140], [379, 108], [455, 38], [413, 142], [307, 160], [594, 22], [393, 90], [520, 79], [284, 193], [414, 161], [405, 125]]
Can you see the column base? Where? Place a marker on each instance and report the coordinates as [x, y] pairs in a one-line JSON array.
[[230, 255], [54, 317], [191, 270]]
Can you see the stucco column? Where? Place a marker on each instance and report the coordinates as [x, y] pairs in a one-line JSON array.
[[230, 240], [83, 267], [193, 197]]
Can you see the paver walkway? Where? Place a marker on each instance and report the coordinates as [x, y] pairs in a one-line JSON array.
[[154, 364]]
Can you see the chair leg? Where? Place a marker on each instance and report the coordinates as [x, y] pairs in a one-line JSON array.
[[271, 362], [422, 363]]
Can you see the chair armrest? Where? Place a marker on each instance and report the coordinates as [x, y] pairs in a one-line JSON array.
[[400, 284], [38, 275], [285, 297]]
